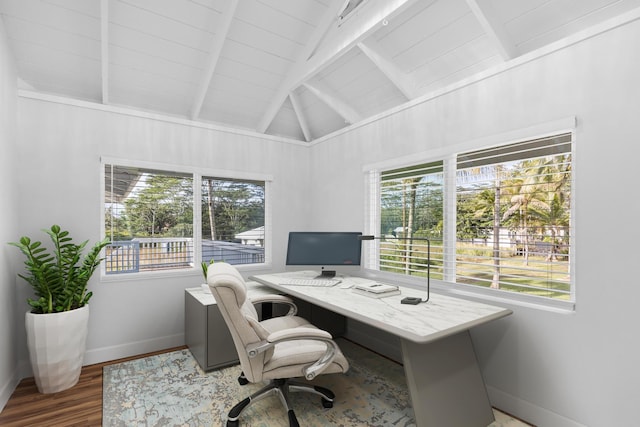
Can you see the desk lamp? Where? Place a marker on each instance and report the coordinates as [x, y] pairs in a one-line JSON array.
[[410, 300]]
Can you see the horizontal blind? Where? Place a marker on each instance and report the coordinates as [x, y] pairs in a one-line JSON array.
[[411, 215], [149, 219], [513, 221]]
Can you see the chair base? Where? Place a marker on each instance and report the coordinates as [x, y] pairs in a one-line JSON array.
[[282, 388], [242, 380]]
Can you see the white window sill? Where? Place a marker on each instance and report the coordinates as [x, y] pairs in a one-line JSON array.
[[489, 296], [165, 274]]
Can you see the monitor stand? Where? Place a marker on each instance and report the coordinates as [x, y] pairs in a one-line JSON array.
[[327, 274]]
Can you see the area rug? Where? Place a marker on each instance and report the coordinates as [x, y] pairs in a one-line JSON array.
[[172, 390]]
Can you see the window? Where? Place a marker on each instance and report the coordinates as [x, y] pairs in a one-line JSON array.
[[410, 213], [495, 218], [513, 217], [150, 216], [232, 221]]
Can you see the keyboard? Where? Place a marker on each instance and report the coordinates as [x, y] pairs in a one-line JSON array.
[[310, 282]]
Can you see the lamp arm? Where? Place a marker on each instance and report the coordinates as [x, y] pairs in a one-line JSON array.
[[372, 237]]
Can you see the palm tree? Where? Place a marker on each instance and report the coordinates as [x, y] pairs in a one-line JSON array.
[[527, 192], [556, 183], [539, 195], [488, 201], [555, 219]]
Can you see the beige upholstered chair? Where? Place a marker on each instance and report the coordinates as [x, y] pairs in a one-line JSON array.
[[276, 349]]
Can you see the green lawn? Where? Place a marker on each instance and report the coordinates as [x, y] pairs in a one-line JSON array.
[[474, 266]]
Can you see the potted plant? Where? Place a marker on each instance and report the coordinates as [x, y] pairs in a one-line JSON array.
[[57, 323], [205, 267]]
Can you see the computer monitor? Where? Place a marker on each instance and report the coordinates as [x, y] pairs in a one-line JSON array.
[[333, 252]]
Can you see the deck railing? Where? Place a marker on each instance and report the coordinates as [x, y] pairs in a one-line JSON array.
[[149, 254]]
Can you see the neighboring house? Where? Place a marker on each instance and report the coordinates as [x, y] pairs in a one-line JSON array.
[[253, 237]]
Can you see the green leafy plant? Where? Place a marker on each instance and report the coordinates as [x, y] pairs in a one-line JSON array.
[[59, 276], [205, 267]]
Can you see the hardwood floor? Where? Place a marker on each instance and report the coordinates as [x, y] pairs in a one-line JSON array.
[[81, 405]]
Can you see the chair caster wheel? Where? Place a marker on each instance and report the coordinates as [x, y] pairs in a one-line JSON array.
[[242, 380], [327, 403], [235, 423]]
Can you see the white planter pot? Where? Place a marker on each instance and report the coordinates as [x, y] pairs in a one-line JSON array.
[[57, 343]]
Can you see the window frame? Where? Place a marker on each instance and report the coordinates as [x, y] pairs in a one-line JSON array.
[[197, 173], [372, 173]]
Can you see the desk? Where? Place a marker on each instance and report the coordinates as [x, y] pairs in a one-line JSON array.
[[443, 376], [205, 331]]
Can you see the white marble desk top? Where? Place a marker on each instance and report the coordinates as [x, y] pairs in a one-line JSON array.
[[439, 317]]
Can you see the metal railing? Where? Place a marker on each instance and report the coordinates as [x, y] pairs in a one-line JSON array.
[[122, 257], [152, 254]]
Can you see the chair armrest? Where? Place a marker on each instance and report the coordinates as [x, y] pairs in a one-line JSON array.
[[298, 333], [287, 335], [277, 299], [302, 333]]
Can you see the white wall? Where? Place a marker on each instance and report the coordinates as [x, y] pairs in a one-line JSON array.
[[553, 369], [60, 151], [8, 218]]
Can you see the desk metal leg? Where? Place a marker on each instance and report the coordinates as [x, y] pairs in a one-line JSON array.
[[445, 383]]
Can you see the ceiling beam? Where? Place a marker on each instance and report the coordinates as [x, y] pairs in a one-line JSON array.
[[333, 101], [325, 24], [302, 120], [399, 78], [328, 21], [214, 55], [359, 26], [486, 16], [340, 41], [104, 49]]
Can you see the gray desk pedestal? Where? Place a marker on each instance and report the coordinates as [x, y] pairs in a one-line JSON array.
[[206, 333], [445, 383]]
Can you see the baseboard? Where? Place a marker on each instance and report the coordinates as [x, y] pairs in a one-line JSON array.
[[527, 411], [106, 354], [23, 370], [8, 388]]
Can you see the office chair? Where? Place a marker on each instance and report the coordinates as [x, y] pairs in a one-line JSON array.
[[276, 349]]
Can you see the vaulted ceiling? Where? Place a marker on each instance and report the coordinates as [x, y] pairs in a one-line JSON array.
[[301, 69]]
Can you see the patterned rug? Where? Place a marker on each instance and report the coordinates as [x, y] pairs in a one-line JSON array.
[[171, 390]]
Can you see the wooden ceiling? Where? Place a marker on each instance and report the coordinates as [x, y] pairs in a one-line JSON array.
[[300, 69]]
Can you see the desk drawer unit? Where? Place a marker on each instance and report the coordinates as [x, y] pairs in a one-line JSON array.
[[206, 333]]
